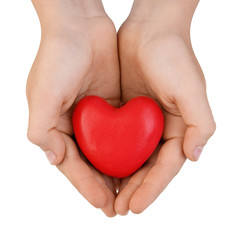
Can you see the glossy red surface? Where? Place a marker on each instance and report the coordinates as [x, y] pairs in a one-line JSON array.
[[117, 141]]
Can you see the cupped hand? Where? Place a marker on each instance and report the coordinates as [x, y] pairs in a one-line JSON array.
[[161, 64], [75, 59]]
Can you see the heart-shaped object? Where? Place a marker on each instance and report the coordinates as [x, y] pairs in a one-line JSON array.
[[117, 141]]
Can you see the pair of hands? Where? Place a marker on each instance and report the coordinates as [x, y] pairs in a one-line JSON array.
[[80, 54]]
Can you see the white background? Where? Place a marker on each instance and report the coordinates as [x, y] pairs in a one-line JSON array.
[[202, 202]]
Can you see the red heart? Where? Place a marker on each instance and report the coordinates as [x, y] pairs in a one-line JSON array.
[[117, 141]]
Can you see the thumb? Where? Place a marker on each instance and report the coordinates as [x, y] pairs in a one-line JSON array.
[[44, 112], [198, 117]]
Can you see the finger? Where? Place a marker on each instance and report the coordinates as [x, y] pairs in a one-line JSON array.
[[81, 176], [110, 191], [121, 204], [44, 111], [130, 184], [198, 117], [169, 162]]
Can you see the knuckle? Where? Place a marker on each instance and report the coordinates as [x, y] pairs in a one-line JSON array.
[[34, 136], [209, 129], [212, 128]]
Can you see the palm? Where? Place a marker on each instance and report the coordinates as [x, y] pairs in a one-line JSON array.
[[92, 68]]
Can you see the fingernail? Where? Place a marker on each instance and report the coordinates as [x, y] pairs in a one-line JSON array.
[[197, 152], [51, 157]]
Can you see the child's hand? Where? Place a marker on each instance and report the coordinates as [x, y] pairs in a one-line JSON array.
[[157, 60], [77, 57]]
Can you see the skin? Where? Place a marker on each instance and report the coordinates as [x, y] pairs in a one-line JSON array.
[[73, 62], [79, 56], [157, 60]]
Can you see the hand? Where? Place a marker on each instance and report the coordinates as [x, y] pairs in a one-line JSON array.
[[157, 60], [77, 57]]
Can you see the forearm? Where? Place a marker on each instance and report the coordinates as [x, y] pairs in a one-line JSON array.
[[173, 14]]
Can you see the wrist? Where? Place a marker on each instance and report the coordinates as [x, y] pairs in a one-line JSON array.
[[64, 14], [171, 15]]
